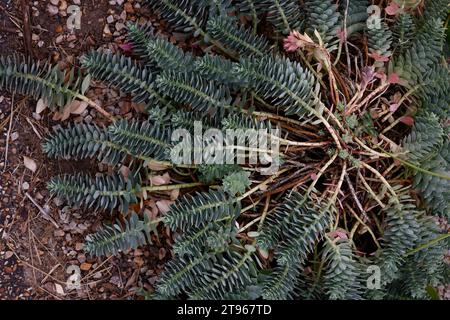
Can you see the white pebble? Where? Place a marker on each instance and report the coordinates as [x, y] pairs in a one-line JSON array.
[[52, 10], [14, 136], [59, 39], [119, 26]]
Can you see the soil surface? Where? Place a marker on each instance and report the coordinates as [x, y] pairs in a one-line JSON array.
[[40, 238]]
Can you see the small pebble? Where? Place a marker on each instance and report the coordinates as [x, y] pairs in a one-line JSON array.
[[59, 233], [72, 253], [52, 10], [128, 7], [71, 37], [123, 15], [119, 26], [63, 5], [57, 201], [85, 266], [14, 136], [81, 258], [106, 31], [59, 39]]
